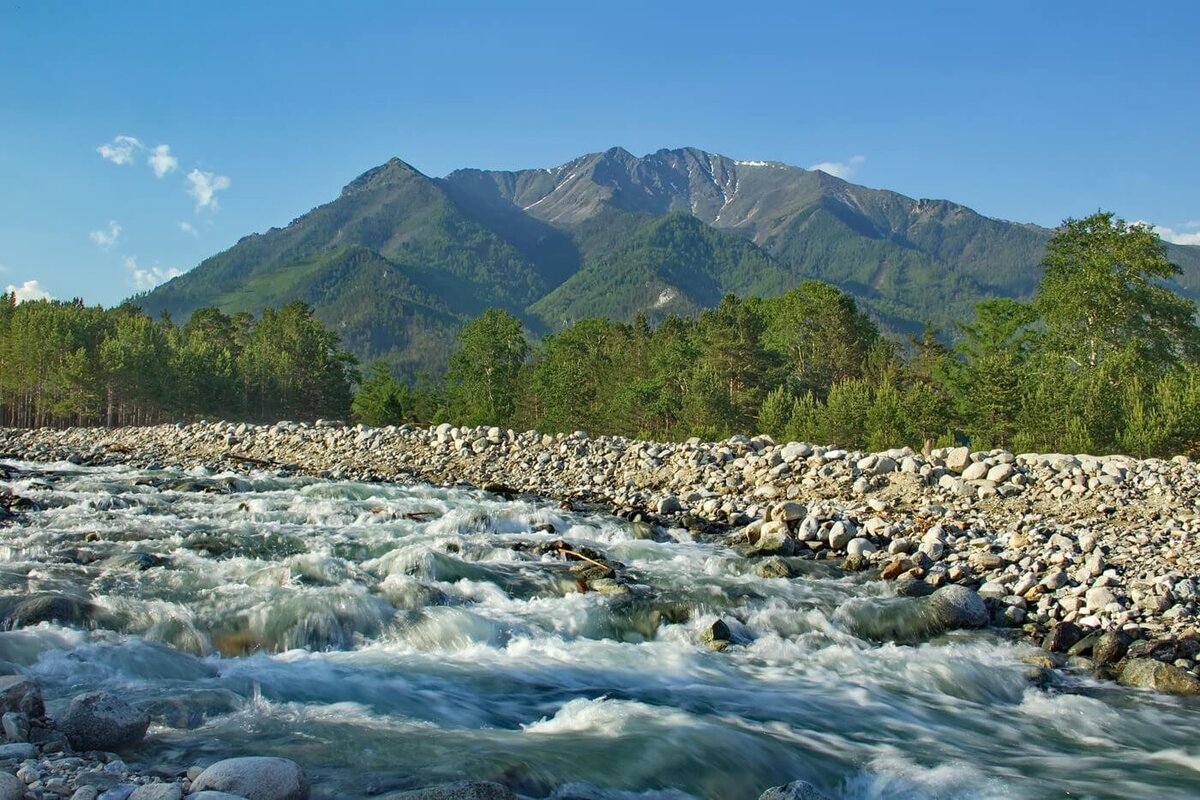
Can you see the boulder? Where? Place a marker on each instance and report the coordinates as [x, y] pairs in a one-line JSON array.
[[1110, 647], [669, 505], [957, 606], [158, 791], [20, 695], [1062, 637], [976, 472], [460, 790], [796, 790], [11, 787], [958, 458], [103, 721], [255, 778], [208, 794], [773, 567], [1146, 673]]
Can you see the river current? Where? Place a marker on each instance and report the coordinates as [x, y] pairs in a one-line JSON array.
[[388, 637]]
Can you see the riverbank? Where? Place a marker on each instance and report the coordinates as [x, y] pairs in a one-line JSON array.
[[1095, 558]]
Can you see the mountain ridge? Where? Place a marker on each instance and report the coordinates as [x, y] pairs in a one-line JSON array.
[[604, 233]]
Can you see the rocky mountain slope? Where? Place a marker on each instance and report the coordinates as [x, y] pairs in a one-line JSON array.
[[399, 260]]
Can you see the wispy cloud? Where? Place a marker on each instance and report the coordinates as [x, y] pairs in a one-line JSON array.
[[188, 227], [29, 290], [148, 278], [120, 150], [105, 239], [841, 169], [1192, 225], [1173, 236], [204, 187], [161, 160]]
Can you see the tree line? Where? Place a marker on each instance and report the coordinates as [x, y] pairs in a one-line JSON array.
[[1104, 358], [64, 363]]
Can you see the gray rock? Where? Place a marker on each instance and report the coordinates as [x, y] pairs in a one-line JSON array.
[[20, 694], [19, 752], [11, 787], [841, 534], [461, 790], [86, 793], [158, 791], [958, 458], [859, 546], [669, 505], [975, 472], [208, 794], [121, 792], [796, 790], [16, 726], [255, 778], [1146, 673], [957, 606], [103, 721]]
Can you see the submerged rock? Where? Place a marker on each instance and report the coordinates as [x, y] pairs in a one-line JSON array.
[[255, 778], [716, 636], [103, 721], [460, 790], [796, 790], [47, 608]]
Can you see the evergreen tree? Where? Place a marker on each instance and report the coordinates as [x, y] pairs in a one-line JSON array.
[[482, 379]]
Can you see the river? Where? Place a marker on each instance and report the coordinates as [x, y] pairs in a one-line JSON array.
[[388, 637]]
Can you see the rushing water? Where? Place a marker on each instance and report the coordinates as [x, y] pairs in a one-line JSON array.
[[315, 620]]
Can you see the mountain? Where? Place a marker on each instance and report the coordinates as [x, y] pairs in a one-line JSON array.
[[399, 260]]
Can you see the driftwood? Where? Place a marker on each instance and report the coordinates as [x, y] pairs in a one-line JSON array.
[[258, 462], [582, 557]]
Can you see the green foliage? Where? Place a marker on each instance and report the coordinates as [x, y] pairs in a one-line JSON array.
[[67, 364], [481, 383], [381, 399]]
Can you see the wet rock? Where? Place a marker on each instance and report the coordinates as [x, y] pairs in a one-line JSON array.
[[957, 606], [1146, 673], [1110, 647], [669, 505], [796, 790], [103, 721], [135, 561], [255, 778], [1062, 637], [11, 787], [461, 790], [47, 608], [716, 636], [209, 794], [774, 567], [119, 792], [193, 709], [86, 793], [913, 587], [20, 695]]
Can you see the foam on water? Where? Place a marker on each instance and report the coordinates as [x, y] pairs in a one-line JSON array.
[[390, 637]]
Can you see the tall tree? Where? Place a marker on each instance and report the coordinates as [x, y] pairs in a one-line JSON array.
[[1103, 291], [482, 379]]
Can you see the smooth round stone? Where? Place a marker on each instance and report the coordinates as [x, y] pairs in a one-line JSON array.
[[255, 778]]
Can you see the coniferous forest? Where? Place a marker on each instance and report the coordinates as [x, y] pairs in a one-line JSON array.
[[1103, 358]]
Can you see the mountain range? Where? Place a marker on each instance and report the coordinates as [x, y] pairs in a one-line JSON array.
[[400, 260]]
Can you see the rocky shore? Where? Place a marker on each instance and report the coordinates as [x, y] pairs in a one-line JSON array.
[[1095, 559]]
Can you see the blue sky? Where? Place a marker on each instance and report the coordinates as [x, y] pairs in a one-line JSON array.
[[1025, 111]]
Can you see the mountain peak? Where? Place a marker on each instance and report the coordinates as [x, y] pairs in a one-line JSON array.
[[393, 172]]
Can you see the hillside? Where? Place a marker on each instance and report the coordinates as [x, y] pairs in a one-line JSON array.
[[399, 260]]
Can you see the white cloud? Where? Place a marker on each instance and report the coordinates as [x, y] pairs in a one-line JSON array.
[[188, 227], [204, 187], [145, 279], [161, 160], [120, 150], [29, 290], [106, 238], [1171, 235], [1193, 225], [841, 169]]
